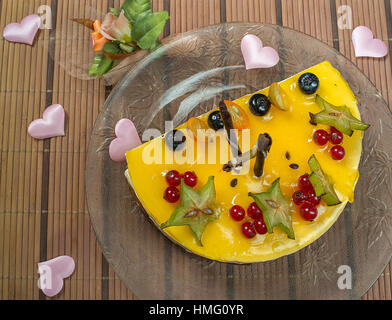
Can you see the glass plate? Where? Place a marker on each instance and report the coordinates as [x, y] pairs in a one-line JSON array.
[[149, 264]]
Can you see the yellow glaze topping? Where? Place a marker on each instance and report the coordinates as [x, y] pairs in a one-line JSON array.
[[291, 132]]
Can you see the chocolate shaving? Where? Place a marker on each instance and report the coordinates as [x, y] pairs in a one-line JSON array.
[[228, 122], [264, 143], [84, 22], [237, 162]]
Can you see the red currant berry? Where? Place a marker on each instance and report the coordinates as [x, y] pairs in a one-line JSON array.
[[304, 182], [321, 137], [338, 152], [190, 179], [298, 197], [237, 213], [308, 212], [336, 136], [310, 193], [254, 211], [248, 230], [260, 226], [310, 196], [173, 178], [172, 194]]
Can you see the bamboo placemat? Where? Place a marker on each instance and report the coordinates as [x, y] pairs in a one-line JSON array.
[[43, 210]]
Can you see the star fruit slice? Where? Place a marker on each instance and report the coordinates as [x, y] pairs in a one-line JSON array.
[[276, 209], [339, 117], [196, 210], [322, 184]]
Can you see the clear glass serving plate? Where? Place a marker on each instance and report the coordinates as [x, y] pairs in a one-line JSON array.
[[200, 68]]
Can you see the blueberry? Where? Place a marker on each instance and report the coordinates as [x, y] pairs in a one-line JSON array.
[[308, 83], [259, 104], [175, 140], [215, 121]]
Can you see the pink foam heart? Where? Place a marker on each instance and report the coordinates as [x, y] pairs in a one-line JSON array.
[[366, 46], [23, 32], [51, 125], [257, 56], [52, 274], [127, 139]]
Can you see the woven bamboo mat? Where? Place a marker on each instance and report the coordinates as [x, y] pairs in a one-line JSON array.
[[43, 210]]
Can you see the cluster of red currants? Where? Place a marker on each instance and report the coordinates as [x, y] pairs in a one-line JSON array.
[[306, 199], [321, 137], [173, 178], [250, 228]]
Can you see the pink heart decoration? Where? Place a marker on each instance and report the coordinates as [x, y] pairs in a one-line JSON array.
[[52, 124], [127, 139], [52, 274], [257, 56], [23, 32], [366, 46]]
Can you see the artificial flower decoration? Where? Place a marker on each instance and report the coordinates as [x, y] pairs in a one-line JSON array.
[[123, 33], [98, 39], [116, 28]]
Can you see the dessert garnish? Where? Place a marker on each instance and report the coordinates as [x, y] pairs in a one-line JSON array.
[[171, 194], [294, 166], [339, 117], [322, 184], [338, 152], [259, 104], [175, 140], [190, 179], [264, 143], [215, 121], [308, 83], [237, 213], [197, 127], [233, 183], [321, 137], [336, 137], [260, 226], [276, 209], [238, 161], [230, 134], [173, 178], [278, 97], [248, 230], [308, 211], [238, 115], [254, 212], [287, 155], [306, 199], [196, 210]]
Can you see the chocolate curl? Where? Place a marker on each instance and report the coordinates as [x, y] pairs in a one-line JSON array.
[[237, 162], [264, 143], [228, 122]]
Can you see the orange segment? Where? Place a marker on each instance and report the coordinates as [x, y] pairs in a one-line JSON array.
[[238, 115]]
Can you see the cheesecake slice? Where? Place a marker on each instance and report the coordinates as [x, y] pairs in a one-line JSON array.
[[217, 235]]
